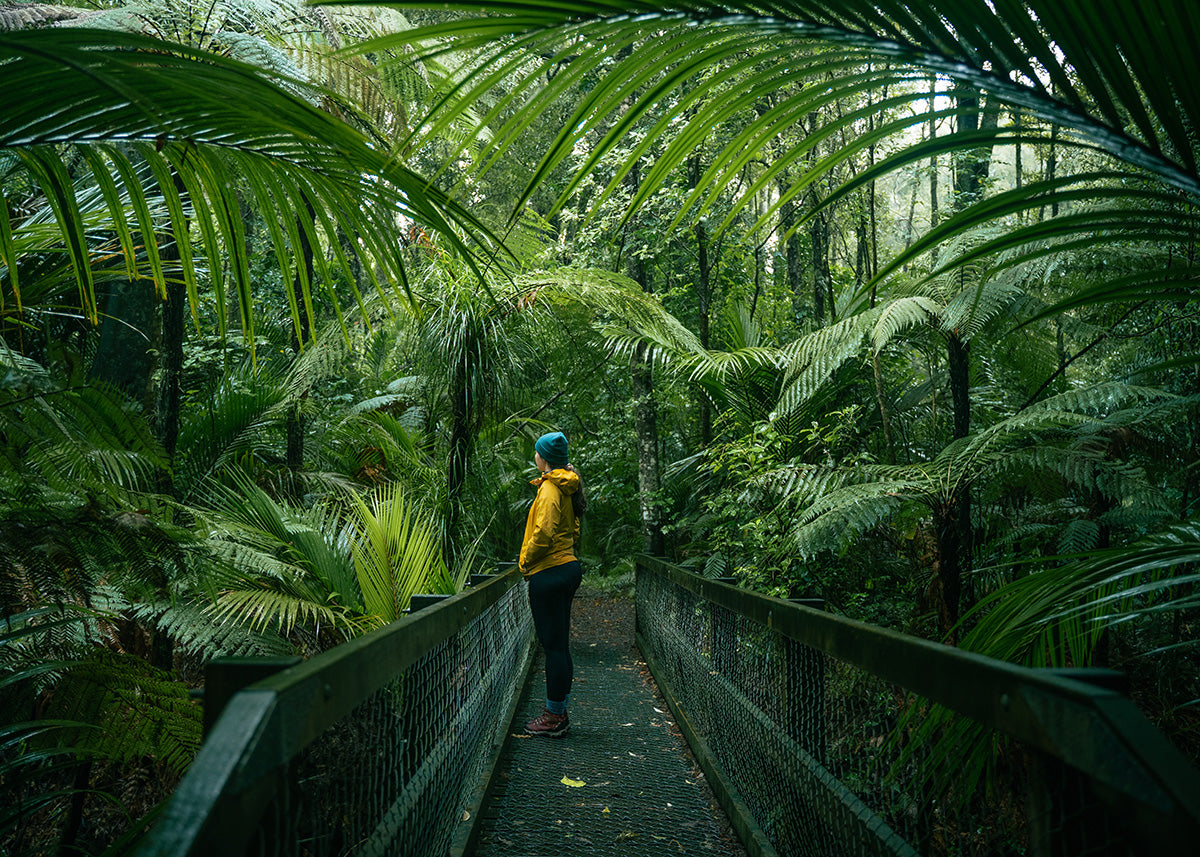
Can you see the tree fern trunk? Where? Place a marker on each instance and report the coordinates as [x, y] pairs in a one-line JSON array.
[[74, 822]]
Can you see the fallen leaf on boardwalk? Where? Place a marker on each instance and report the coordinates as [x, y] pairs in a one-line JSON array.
[[626, 835], [466, 815], [626, 724], [659, 710], [575, 784], [605, 810]]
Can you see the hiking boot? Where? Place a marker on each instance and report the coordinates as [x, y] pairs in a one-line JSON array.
[[549, 724]]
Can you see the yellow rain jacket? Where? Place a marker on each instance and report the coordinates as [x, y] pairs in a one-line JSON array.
[[551, 529]]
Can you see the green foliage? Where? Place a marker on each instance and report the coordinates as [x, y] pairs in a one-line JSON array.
[[67, 703], [395, 553], [211, 119]]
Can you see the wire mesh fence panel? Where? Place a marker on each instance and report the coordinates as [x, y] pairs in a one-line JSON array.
[[830, 759], [393, 775]]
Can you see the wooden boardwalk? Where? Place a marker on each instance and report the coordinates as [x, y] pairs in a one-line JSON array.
[[620, 783]]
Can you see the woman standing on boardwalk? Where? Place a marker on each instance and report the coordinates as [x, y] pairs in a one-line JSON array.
[[549, 564]]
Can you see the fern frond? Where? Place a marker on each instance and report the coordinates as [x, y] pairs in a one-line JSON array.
[[640, 317], [134, 710], [20, 16], [972, 309], [839, 517], [191, 625], [812, 359], [902, 314]]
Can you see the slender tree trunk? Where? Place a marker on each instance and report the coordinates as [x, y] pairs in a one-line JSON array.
[[819, 236], [460, 450], [704, 304], [74, 823], [909, 223], [1017, 122], [645, 419], [792, 249], [704, 297], [953, 521], [1051, 170], [167, 417], [933, 164], [885, 415], [295, 418]]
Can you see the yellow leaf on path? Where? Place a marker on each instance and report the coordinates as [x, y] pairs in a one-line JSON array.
[[604, 810], [567, 781]]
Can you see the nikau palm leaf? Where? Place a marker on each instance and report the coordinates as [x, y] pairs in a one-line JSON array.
[[199, 121], [1122, 90]]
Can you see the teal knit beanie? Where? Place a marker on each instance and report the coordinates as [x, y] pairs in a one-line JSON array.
[[553, 448]]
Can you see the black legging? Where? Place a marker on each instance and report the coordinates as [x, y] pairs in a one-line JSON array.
[[550, 594]]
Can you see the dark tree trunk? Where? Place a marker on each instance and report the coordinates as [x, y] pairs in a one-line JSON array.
[[955, 533], [167, 416], [74, 823], [933, 164], [819, 236], [300, 338], [792, 248], [459, 455]]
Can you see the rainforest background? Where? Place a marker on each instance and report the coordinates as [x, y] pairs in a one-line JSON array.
[[893, 305]]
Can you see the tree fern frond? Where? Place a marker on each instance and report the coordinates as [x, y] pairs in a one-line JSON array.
[[139, 711], [839, 517], [972, 309], [899, 315], [1100, 399], [20, 16], [621, 298], [192, 627], [812, 359]]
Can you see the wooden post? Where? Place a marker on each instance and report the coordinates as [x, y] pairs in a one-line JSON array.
[[223, 677]]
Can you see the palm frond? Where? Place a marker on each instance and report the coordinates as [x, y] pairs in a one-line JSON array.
[[193, 117], [681, 69], [396, 552]]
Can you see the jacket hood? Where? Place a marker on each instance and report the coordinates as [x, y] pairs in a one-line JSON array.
[[566, 480]]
